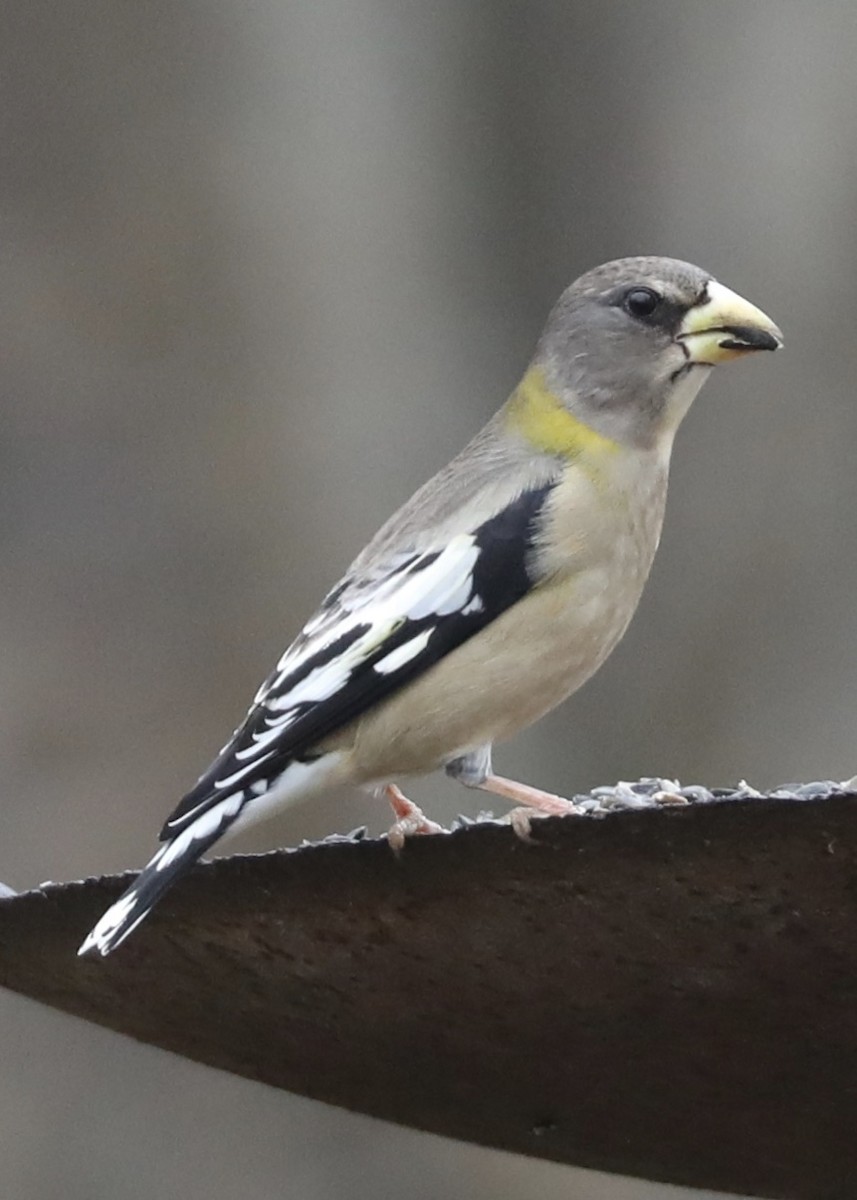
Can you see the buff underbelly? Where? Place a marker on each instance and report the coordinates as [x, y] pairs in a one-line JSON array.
[[487, 692]]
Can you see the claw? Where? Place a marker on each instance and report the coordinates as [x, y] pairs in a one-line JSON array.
[[410, 819], [521, 819]]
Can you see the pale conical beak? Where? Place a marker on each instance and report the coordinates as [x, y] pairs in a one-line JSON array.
[[725, 326]]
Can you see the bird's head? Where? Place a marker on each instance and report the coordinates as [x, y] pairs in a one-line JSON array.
[[629, 344]]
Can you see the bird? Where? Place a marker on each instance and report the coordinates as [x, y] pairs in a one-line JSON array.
[[492, 594]]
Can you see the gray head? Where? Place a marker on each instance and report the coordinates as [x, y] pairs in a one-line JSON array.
[[629, 344]]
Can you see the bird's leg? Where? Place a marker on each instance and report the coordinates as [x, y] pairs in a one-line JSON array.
[[531, 797], [474, 770], [532, 802], [409, 818]]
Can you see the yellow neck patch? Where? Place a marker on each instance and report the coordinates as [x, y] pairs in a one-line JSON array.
[[535, 413]]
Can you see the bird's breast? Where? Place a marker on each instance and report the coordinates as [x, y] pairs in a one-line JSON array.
[[603, 522]]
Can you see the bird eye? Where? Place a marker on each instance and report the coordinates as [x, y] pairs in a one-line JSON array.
[[641, 301]]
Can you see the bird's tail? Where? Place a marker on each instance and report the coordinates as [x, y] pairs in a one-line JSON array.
[[191, 830], [173, 858]]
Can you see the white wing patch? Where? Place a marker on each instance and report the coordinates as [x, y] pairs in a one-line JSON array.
[[409, 592], [444, 586], [403, 654]]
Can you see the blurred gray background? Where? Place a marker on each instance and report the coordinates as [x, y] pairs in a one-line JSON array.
[[265, 267]]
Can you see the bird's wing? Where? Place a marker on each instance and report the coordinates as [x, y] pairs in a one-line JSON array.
[[375, 632]]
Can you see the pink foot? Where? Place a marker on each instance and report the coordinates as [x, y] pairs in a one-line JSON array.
[[409, 819]]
